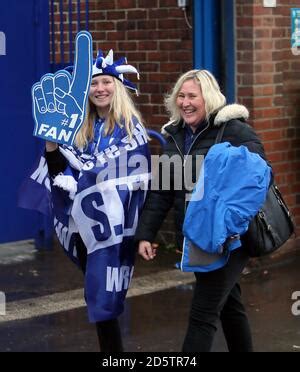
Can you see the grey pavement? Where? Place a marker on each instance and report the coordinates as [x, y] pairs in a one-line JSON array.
[[45, 311]]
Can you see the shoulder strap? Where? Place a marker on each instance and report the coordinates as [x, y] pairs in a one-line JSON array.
[[220, 133]]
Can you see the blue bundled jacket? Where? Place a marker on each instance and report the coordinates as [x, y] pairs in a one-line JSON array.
[[231, 189]]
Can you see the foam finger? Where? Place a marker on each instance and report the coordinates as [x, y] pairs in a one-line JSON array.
[[48, 89], [62, 81], [82, 66], [38, 98]]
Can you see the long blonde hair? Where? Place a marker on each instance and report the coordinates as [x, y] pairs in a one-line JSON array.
[[122, 110], [213, 98]]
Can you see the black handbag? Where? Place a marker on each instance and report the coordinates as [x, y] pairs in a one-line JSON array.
[[271, 227]]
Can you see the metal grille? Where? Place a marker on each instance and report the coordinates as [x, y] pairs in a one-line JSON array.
[[68, 17]]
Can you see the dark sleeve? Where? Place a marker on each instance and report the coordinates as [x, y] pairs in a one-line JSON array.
[[238, 133], [158, 202], [156, 208], [56, 162]]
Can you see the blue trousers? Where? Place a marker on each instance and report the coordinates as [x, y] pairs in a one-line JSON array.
[[217, 295]]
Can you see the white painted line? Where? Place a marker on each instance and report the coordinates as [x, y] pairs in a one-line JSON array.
[[17, 252], [64, 301]]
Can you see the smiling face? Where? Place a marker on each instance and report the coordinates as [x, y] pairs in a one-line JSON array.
[[101, 93], [191, 104]]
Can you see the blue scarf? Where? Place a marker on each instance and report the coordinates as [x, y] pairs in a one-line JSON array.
[[111, 191]]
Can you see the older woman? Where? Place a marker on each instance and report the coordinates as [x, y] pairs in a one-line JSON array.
[[197, 108]]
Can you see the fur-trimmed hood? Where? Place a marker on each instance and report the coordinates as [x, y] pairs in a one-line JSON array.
[[228, 112]]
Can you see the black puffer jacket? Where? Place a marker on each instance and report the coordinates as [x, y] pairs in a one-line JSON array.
[[159, 202]]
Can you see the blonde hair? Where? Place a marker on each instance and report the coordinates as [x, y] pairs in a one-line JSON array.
[[122, 110], [213, 98]]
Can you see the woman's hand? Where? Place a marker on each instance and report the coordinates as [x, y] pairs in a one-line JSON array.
[[51, 146], [147, 250]]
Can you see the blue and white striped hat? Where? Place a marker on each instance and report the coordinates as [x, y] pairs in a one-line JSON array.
[[106, 66]]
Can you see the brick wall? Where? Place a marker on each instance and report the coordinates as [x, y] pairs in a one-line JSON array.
[[268, 83], [154, 37], [152, 34]]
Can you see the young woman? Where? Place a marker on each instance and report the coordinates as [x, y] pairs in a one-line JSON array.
[[98, 192]]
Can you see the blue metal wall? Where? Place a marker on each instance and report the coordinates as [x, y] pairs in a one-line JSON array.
[[26, 28], [214, 41], [207, 35]]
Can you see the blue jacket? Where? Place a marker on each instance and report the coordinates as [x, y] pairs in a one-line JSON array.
[[231, 189]]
